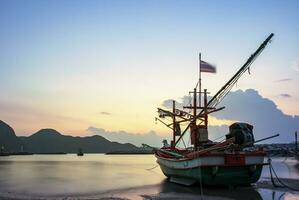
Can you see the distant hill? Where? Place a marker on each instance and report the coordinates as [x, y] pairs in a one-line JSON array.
[[50, 140], [8, 139]]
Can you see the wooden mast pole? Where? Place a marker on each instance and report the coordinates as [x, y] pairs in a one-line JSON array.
[[199, 81], [193, 127], [296, 143], [174, 124], [205, 108], [194, 103]]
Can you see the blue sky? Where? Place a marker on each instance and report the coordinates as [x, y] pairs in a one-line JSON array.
[[64, 62]]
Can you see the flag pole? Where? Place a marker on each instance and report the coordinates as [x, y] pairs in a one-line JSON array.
[[199, 81]]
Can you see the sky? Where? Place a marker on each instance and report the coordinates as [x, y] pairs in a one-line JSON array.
[[72, 65]]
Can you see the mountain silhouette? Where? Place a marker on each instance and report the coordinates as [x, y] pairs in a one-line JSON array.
[[51, 141], [9, 142]]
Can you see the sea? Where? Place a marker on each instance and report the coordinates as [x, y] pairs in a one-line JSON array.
[[100, 176]]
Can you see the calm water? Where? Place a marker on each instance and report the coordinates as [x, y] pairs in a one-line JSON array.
[[128, 176]]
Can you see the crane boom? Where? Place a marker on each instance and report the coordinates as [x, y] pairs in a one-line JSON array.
[[216, 99], [227, 87]]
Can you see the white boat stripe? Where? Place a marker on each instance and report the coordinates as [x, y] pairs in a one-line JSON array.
[[206, 161]]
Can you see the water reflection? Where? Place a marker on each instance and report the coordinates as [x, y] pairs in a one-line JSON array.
[[67, 175], [235, 193], [125, 176], [287, 168]]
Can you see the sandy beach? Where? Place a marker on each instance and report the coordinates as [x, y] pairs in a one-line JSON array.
[[168, 191]]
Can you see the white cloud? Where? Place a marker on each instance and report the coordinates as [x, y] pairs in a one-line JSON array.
[[150, 138], [249, 106]]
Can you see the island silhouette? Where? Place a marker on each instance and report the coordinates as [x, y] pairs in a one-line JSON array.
[[51, 141]]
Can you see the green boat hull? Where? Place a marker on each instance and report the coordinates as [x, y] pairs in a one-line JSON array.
[[221, 175]]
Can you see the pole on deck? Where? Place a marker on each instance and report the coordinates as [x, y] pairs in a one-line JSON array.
[[194, 128], [174, 124], [205, 108], [266, 138], [199, 81], [194, 102], [296, 142]]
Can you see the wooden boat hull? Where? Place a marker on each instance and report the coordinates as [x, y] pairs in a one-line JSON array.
[[213, 170]]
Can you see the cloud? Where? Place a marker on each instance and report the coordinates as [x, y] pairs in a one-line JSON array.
[[244, 106], [283, 80], [150, 138], [249, 106], [105, 113], [168, 103], [185, 100], [285, 95]]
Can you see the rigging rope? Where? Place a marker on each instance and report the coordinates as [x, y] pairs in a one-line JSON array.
[[214, 140], [282, 184], [200, 177], [152, 168], [184, 143]]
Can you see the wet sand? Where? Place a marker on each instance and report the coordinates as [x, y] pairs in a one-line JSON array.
[[168, 191]]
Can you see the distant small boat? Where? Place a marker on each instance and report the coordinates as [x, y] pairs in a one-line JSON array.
[[3, 153], [296, 147], [80, 152]]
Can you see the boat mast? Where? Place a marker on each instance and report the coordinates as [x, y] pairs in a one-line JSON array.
[[199, 132], [199, 81], [194, 102], [174, 124], [194, 131], [205, 109], [296, 143]]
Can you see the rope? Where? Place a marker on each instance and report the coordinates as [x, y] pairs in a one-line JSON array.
[[152, 168], [200, 176], [281, 196], [282, 184], [184, 143], [214, 140]]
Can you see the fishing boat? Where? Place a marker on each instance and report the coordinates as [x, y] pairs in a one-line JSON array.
[[235, 161], [80, 152], [2, 152]]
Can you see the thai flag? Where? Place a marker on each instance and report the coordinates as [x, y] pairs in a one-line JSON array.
[[206, 67]]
